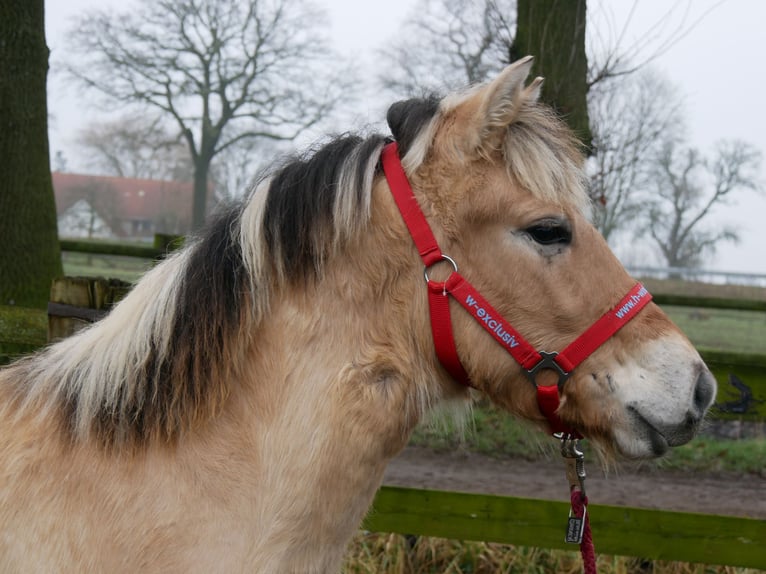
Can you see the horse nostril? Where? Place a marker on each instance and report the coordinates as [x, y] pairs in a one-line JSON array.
[[704, 391]]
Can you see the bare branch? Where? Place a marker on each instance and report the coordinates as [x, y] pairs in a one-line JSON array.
[[617, 55], [446, 44], [688, 189]]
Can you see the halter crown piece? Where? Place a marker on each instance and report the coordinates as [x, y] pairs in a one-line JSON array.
[[439, 292]]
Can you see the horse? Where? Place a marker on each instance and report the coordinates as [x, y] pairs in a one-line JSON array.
[[235, 412]]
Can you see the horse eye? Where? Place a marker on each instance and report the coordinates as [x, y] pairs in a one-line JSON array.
[[550, 233]]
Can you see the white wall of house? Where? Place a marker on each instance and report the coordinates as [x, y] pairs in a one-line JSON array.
[[82, 221]]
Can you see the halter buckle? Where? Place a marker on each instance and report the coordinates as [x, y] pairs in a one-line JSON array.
[[547, 361]]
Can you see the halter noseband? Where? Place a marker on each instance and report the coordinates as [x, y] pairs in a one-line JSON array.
[[531, 360]]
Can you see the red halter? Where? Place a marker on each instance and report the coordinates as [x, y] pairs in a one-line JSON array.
[[531, 360]]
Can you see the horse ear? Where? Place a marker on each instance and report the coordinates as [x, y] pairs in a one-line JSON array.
[[502, 100]]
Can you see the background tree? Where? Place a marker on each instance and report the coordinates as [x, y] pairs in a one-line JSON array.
[[554, 32], [30, 255], [222, 70], [630, 117], [235, 169], [451, 43], [448, 44], [687, 188], [612, 53], [136, 147]]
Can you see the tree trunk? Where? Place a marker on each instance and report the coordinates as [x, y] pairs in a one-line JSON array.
[[199, 203], [554, 32], [29, 254]]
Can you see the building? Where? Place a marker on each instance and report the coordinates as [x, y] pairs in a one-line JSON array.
[[121, 208]]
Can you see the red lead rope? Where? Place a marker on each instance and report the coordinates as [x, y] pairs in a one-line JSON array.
[[587, 550]]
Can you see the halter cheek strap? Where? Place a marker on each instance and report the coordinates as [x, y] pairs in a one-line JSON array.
[[439, 292]]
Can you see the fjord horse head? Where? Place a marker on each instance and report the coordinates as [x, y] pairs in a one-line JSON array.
[[501, 182]]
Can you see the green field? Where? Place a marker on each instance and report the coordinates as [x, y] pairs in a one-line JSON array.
[[722, 329], [493, 432]]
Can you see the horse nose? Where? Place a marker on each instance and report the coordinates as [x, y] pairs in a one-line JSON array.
[[704, 392]]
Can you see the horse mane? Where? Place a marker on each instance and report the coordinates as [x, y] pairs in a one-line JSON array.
[[162, 361]]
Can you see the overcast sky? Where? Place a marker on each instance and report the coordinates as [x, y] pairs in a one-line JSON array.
[[717, 66]]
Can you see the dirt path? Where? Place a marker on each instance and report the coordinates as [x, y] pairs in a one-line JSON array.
[[724, 493]]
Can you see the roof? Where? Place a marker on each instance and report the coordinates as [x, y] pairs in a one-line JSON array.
[[166, 204]]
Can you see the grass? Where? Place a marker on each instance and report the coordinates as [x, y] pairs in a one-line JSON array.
[[110, 266], [22, 331], [492, 432], [722, 329], [378, 553], [488, 431], [708, 454]]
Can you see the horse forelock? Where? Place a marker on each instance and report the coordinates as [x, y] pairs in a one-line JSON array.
[[543, 155], [539, 151]]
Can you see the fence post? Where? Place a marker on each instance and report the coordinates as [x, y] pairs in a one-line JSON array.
[[78, 301]]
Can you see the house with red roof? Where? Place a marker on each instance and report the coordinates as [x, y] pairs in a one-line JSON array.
[[121, 208]]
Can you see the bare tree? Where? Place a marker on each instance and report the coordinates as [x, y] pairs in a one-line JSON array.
[[263, 66], [136, 147], [629, 113], [630, 117], [235, 169], [447, 44], [687, 189]]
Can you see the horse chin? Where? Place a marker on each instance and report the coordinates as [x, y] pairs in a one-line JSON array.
[[647, 438]]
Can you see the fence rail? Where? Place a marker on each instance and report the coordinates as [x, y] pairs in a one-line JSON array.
[[709, 302], [157, 250], [655, 534], [706, 275]]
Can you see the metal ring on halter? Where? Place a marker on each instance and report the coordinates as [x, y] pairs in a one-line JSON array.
[[444, 258]]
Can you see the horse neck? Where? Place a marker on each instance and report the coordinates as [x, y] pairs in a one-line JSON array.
[[333, 391]]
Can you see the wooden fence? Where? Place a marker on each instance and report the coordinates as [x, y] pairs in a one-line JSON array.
[[651, 534], [654, 534]]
